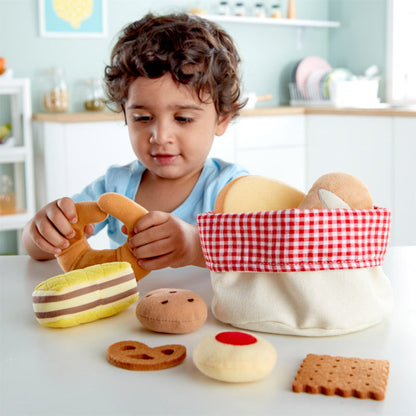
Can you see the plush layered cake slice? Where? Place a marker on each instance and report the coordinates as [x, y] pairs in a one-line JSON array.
[[85, 295]]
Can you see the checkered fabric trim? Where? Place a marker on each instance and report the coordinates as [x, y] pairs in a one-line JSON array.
[[294, 240]]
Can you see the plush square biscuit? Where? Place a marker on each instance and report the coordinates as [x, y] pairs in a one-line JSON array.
[[346, 377]]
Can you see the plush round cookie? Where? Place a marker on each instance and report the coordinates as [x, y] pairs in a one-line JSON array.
[[234, 356], [172, 311]]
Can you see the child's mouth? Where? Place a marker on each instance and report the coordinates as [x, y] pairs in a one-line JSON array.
[[164, 159]]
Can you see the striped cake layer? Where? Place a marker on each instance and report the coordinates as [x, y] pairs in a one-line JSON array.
[[97, 291], [99, 312]]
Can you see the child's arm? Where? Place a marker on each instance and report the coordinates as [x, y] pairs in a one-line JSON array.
[[47, 233], [164, 240]]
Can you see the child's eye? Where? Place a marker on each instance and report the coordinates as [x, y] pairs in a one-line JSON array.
[[142, 118], [184, 120]]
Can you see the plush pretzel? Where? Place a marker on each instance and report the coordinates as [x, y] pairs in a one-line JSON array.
[[133, 355], [79, 254]]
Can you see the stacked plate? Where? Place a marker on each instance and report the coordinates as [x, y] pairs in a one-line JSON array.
[[312, 76]]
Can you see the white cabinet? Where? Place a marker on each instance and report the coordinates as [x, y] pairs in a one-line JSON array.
[[18, 157], [273, 146], [294, 148], [379, 150], [359, 145], [404, 180], [71, 155]]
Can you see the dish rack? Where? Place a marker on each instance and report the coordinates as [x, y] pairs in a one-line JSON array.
[[313, 97], [357, 93]]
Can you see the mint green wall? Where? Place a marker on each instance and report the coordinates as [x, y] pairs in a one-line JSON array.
[[268, 52], [361, 39]]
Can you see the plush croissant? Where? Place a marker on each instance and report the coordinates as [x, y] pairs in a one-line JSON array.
[[79, 254]]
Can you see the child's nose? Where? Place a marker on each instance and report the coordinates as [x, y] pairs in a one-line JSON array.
[[162, 133]]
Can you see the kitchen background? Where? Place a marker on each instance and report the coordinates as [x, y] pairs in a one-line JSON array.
[[268, 52]]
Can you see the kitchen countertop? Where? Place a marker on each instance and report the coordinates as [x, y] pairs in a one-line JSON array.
[[47, 371], [261, 111]]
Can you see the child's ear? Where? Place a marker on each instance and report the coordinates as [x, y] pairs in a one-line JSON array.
[[222, 124]]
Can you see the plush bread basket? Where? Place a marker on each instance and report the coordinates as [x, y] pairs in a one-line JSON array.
[[303, 272]]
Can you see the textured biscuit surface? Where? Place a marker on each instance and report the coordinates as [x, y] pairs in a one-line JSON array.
[[133, 355], [346, 377]]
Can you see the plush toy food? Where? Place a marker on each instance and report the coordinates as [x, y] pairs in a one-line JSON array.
[[311, 270], [251, 193], [133, 355], [173, 311], [79, 254], [85, 295], [338, 190], [234, 356]]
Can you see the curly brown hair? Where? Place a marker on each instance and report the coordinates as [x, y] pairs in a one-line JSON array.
[[193, 50]]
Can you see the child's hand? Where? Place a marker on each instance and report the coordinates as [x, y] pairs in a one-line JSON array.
[[163, 240], [48, 232]]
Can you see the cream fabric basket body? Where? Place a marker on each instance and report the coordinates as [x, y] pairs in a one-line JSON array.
[[298, 272]]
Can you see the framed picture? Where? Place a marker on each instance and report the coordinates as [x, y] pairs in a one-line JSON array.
[[73, 18]]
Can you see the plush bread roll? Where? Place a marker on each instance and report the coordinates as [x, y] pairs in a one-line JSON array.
[[85, 295], [253, 193]]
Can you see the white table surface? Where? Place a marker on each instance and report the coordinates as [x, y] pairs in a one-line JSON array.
[[57, 372]]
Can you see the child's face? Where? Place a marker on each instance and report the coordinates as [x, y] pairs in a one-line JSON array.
[[171, 130]]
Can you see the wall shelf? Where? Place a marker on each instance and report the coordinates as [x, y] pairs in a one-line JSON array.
[[13, 154], [299, 23], [19, 154]]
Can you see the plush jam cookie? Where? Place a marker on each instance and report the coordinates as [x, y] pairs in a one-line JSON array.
[[172, 311], [235, 356]]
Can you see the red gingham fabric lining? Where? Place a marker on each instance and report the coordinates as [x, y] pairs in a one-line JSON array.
[[294, 240]]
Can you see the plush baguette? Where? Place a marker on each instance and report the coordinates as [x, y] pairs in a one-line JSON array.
[[252, 193], [85, 295]]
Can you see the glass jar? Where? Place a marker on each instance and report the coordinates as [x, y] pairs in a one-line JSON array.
[[259, 10], [240, 9], [56, 97], [7, 197], [276, 11], [94, 95], [224, 8]]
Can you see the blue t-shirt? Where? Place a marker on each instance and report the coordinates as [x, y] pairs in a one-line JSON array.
[[126, 179]]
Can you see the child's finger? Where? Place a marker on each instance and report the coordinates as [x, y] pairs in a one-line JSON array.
[[48, 238], [67, 206], [156, 263], [89, 229], [59, 221], [154, 249], [151, 219]]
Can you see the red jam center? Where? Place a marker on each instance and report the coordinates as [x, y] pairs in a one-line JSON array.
[[235, 338]]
